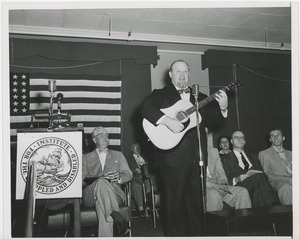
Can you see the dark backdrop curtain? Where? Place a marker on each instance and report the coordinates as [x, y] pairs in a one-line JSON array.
[[132, 63], [264, 98]]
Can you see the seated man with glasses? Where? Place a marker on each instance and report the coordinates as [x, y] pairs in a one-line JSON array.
[[244, 169], [103, 171]]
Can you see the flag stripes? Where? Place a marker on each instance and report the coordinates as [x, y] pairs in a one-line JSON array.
[[91, 101]]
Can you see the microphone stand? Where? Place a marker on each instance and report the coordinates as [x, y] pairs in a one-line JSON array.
[[51, 109], [52, 89], [201, 164]]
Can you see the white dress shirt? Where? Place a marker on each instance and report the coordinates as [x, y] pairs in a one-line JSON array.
[[185, 96], [239, 157], [102, 157], [139, 160]]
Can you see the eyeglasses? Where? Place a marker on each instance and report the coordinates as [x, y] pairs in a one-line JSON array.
[[239, 138], [101, 135]]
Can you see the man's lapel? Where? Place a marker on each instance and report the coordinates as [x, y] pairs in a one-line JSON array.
[[275, 154], [234, 159], [172, 94]]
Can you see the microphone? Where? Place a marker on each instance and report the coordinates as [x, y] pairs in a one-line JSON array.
[[52, 86], [59, 97], [195, 90]]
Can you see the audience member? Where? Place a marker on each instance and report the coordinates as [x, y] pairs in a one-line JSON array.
[[136, 161], [179, 166], [224, 145], [244, 169], [277, 165], [218, 189], [109, 169]]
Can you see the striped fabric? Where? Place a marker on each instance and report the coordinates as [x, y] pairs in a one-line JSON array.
[[91, 101]]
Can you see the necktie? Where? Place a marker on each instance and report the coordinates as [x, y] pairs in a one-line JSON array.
[[187, 90], [246, 164]]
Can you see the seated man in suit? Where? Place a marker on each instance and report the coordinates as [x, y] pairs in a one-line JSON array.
[[244, 169], [136, 161], [217, 187], [277, 165], [110, 169]]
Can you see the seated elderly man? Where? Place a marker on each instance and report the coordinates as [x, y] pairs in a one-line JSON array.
[[277, 165], [218, 189], [110, 168]]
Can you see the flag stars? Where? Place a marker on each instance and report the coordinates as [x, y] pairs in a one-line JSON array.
[[19, 94]]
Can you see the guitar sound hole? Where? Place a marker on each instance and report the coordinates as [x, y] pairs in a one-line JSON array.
[[182, 116]]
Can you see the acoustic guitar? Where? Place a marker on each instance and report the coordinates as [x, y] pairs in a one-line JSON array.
[[184, 111]]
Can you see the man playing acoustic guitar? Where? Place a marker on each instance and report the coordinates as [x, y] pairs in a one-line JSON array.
[[179, 165]]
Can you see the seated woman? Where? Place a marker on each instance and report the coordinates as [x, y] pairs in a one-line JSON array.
[[224, 145]]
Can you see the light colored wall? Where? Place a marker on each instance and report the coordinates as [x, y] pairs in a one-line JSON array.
[[159, 74]]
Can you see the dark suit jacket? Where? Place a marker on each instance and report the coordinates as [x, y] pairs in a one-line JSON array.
[[187, 149], [232, 168], [133, 165]]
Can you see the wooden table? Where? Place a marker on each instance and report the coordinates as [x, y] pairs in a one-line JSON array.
[[278, 219]]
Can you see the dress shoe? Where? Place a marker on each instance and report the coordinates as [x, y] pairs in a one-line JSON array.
[[143, 214]]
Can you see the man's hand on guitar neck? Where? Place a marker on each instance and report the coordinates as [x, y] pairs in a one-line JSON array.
[[173, 124], [221, 97]]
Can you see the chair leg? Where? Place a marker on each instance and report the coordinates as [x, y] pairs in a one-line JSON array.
[[274, 229], [145, 201], [146, 212], [154, 220], [156, 211], [153, 211], [129, 224]]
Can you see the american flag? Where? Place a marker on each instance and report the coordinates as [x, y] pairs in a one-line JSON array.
[[91, 100]]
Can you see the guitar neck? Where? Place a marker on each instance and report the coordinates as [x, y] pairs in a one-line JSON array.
[[204, 102]]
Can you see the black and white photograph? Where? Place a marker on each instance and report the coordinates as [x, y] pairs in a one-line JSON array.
[[150, 119]]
